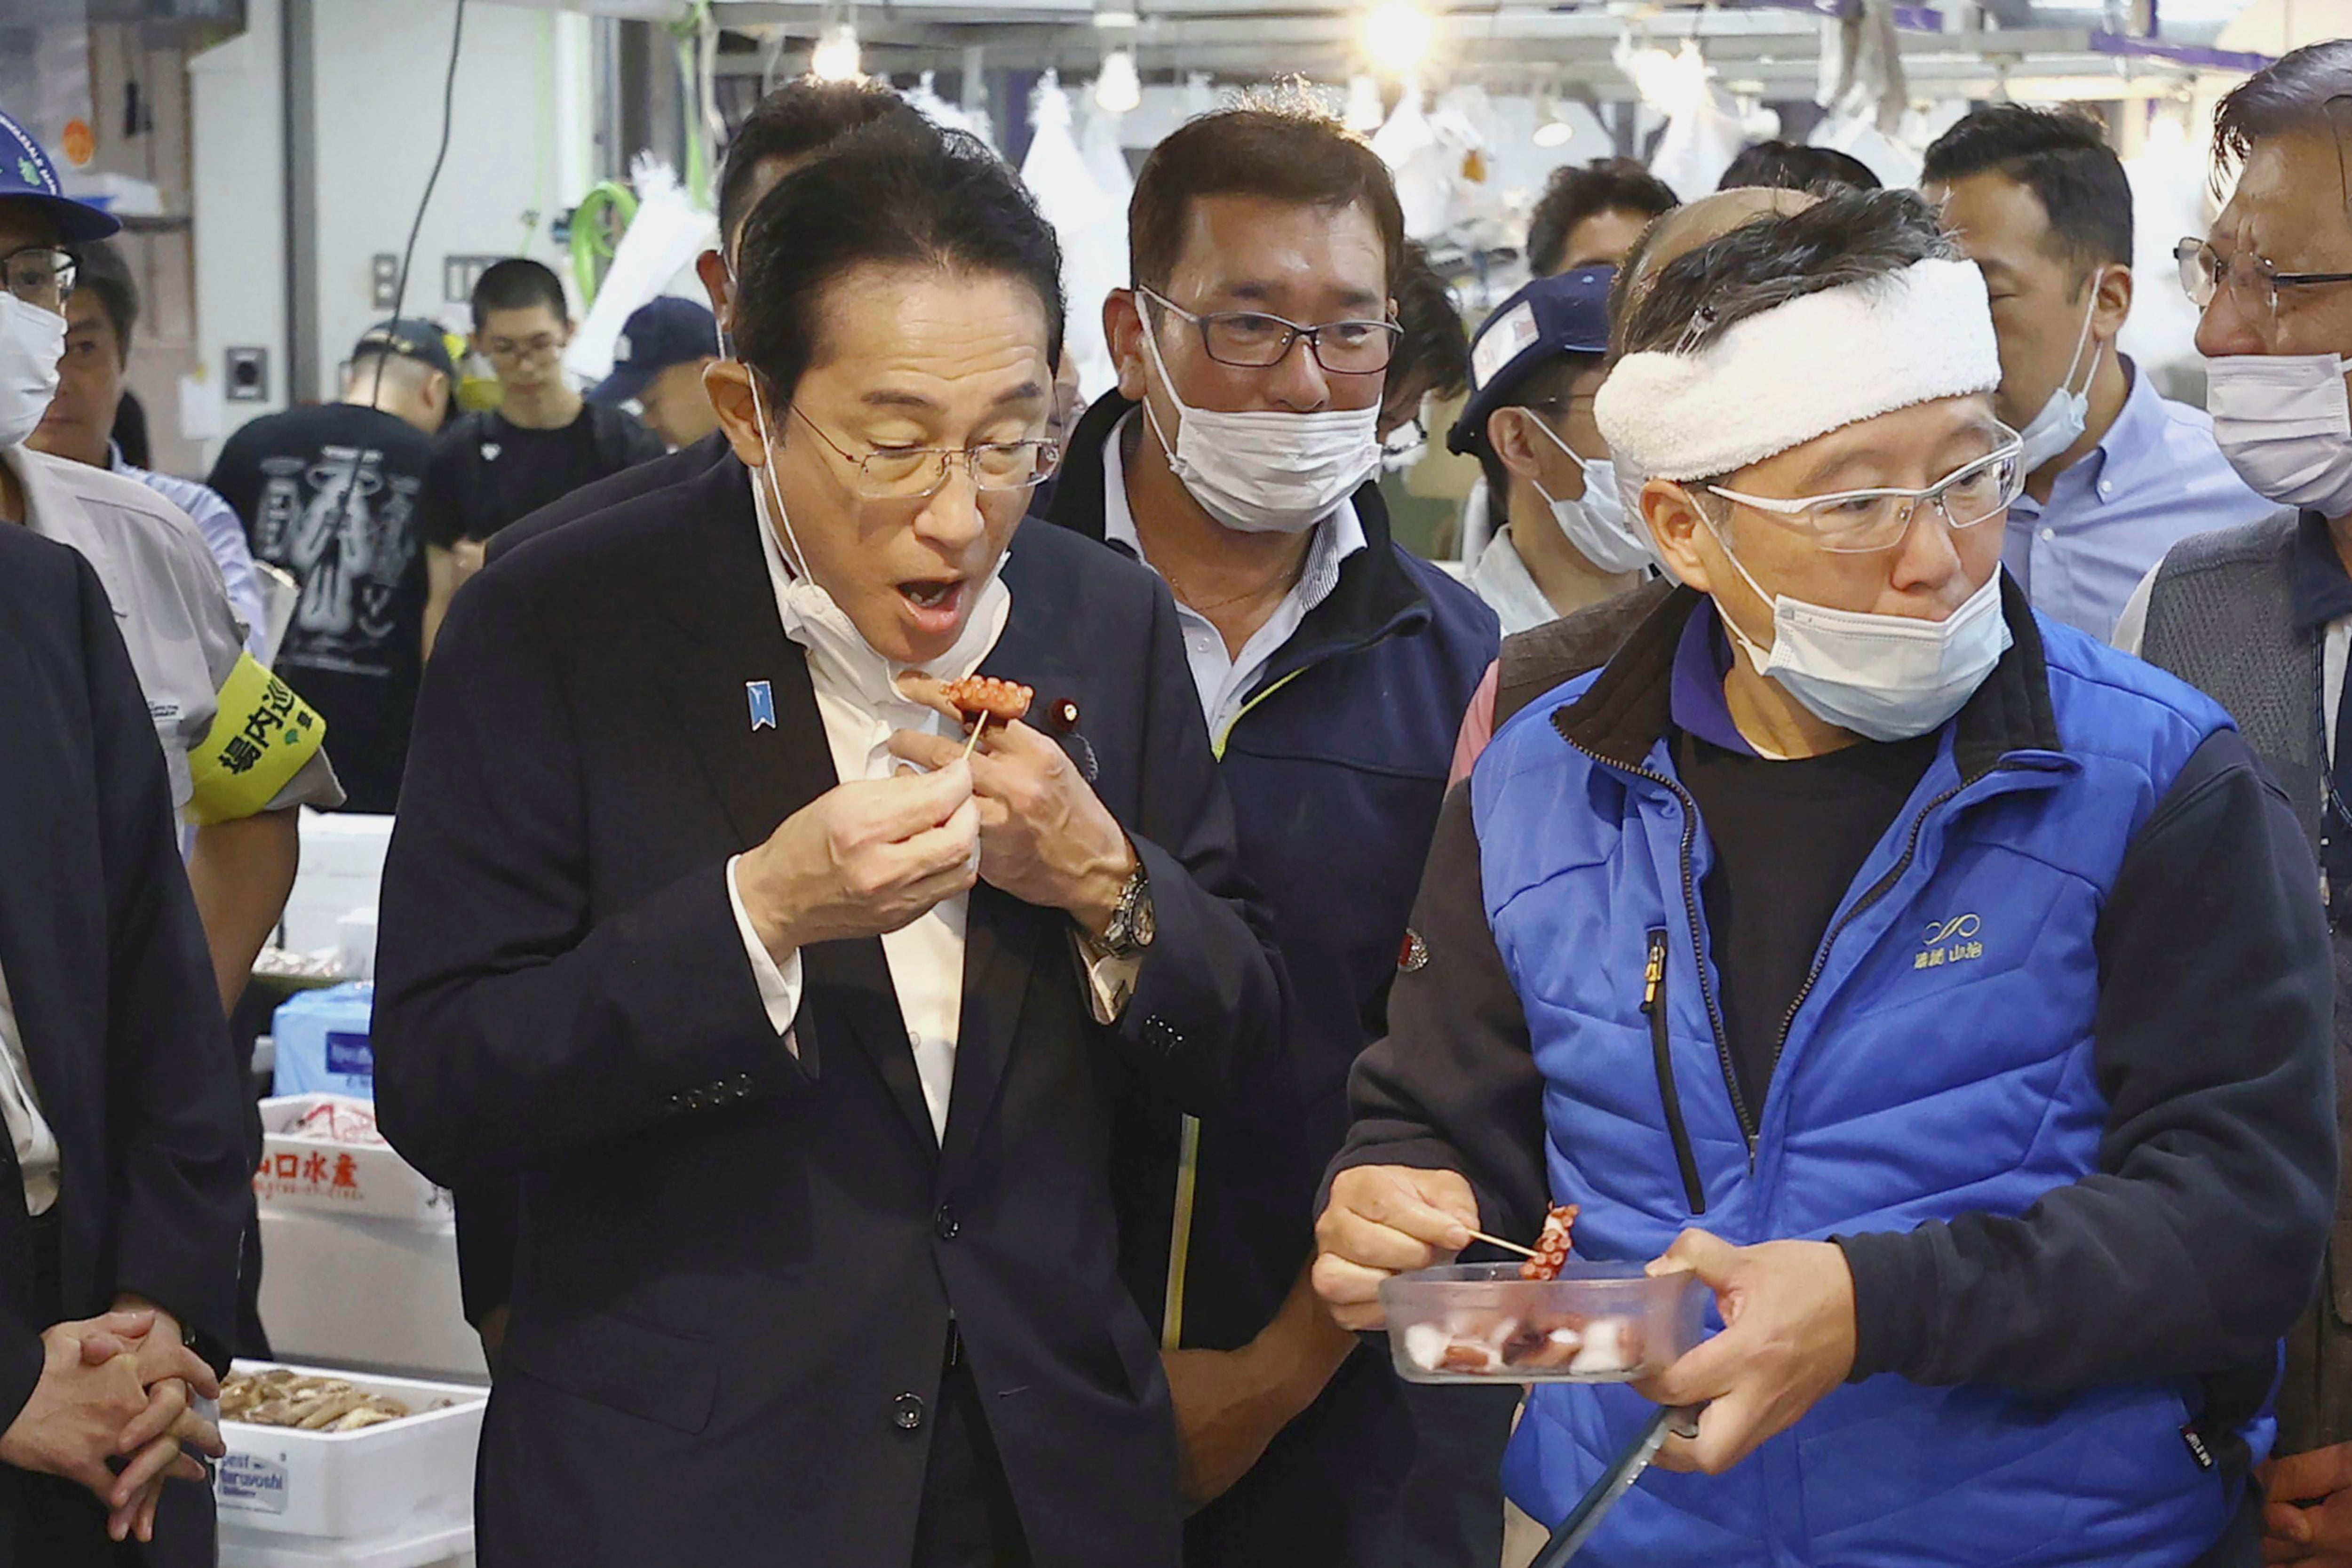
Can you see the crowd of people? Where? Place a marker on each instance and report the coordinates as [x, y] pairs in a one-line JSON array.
[[1864, 827]]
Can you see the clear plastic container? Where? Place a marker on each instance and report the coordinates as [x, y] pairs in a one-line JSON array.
[[1598, 1322]]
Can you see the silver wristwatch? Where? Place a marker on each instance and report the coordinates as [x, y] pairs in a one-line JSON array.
[[1132, 925]]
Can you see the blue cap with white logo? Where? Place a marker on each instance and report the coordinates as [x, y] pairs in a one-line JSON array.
[[1568, 314], [658, 335], [27, 175]]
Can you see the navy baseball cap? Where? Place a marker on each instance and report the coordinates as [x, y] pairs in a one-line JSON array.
[[662, 333], [1568, 314], [27, 175], [412, 338]]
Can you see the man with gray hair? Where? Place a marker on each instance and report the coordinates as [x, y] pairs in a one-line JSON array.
[[2260, 616]]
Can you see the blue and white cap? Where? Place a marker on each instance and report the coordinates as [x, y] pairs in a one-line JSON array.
[[27, 175]]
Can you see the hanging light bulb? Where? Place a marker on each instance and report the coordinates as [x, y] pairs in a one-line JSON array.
[[1118, 90], [1398, 36], [1364, 113], [1554, 133], [835, 57]]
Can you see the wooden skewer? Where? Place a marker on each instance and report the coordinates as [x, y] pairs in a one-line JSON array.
[[973, 745], [1505, 1245]]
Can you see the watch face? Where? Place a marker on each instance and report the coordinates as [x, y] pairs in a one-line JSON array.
[[1146, 924]]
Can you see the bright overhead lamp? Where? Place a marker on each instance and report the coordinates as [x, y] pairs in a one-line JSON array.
[[1398, 36], [1118, 90], [835, 57], [1554, 133], [1116, 15]]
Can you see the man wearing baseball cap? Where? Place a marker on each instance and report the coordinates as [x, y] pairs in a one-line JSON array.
[[658, 365], [328, 494], [1565, 540], [120, 1095]]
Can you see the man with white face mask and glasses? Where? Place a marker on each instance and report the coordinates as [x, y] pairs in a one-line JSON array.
[[2261, 617], [2116, 473], [1830, 942], [1332, 666], [1567, 540]]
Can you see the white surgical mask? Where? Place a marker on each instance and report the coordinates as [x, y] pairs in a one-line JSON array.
[[814, 619], [2286, 424], [1886, 678], [1597, 525], [1266, 472], [2066, 415], [32, 340]]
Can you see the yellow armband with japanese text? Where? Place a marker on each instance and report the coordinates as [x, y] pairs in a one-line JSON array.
[[260, 737]]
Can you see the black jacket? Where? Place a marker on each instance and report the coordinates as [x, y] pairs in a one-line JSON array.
[[112, 987], [1336, 768], [737, 1267], [691, 461]]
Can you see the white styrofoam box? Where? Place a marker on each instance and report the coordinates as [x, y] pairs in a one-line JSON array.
[[427, 1546], [341, 868], [348, 1178], [323, 1046], [382, 1480], [339, 1288], [355, 943]]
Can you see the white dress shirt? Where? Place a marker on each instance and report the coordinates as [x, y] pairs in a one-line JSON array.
[[1501, 578], [858, 700], [1223, 679], [20, 1107]]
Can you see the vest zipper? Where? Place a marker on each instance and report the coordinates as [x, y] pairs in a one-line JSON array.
[[1878, 890], [1698, 949], [1653, 1007]]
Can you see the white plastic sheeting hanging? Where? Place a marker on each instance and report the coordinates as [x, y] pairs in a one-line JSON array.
[[1702, 134], [1892, 159], [1410, 146], [925, 100], [1089, 222], [2167, 187], [653, 258]]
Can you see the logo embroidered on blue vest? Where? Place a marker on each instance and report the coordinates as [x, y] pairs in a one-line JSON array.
[[1949, 942]]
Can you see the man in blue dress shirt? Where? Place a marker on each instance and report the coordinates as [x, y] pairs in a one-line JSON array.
[[2118, 474]]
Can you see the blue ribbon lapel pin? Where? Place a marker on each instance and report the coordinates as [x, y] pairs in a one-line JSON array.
[[764, 704]]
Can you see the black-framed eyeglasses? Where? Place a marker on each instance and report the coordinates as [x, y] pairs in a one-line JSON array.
[[911, 473], [1253, 339], [41, 275], [2205, 272], [508, 350]]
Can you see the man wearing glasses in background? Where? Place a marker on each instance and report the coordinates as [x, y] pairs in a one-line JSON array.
[[2260, 617], [1238, 460], [1942, 989], [540, 444]]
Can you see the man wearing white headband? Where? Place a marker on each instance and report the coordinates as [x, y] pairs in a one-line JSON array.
[[1943, 990]]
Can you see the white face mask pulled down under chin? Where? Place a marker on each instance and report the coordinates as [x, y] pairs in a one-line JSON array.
[[1886, 678], [2284, 421], [1265, 472], [1597, 525], [2067, 414], [816, 619], [32, 342]]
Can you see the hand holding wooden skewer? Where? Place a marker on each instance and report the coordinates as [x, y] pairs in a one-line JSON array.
[[1505, 1245]]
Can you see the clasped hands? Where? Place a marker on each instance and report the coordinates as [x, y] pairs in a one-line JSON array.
[[871, 855], [1787, 1306], [118, 1387]]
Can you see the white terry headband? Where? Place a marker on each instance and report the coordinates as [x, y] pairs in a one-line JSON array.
[[1800, 370]]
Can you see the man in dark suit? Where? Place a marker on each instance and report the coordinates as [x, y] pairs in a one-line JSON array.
[[784, 129], [807, 1062], [124, 1156]]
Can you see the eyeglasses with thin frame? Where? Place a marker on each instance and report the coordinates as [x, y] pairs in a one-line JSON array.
[[911, 473], [2205, 272], [41, 275], [1853, 523], [506, 351], [1253, 340]]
